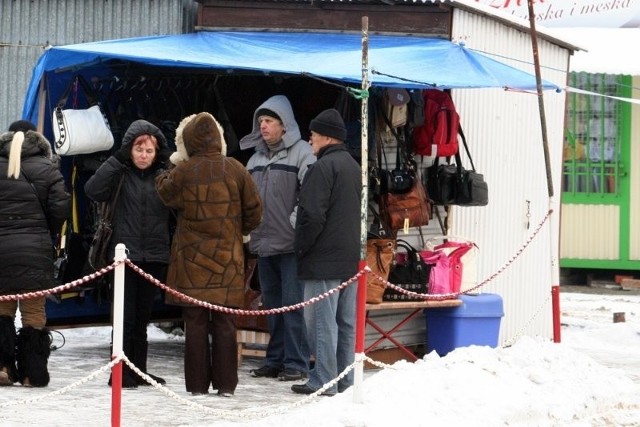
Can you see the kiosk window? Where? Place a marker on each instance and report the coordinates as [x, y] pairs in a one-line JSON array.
[[591, 155]]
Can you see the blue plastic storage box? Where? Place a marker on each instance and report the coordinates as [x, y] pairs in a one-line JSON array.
[[475, 322]]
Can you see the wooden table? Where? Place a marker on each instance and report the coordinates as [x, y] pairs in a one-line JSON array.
[[413, 308]]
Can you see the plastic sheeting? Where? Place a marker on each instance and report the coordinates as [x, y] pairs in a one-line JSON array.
[[393, 60]]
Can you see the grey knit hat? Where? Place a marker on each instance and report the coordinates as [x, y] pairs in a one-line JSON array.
[[329, 123], [268, 112]]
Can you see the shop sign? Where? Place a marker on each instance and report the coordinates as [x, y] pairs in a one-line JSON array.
[[575, 13]]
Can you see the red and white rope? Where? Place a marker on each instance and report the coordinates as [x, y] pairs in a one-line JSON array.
[[58, 289], [242, 312], [479, 285]]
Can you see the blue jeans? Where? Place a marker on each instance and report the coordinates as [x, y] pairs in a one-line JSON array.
[[288, 347], [331, 325]]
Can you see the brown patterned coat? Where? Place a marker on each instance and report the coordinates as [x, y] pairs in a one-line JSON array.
[[217, 203]]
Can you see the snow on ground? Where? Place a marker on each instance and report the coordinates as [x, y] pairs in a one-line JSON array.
[[591, 379]]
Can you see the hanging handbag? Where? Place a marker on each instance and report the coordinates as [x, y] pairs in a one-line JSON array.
[[451, 184], [441, 181], [80, 131], [410, 272], [471, 188], [405, 210], [99, 250], [398, 180], [401, 210]]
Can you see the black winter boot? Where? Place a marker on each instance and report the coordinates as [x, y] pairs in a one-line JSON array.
[[128, 376], [141, 349], [8, 371], [34, 348]]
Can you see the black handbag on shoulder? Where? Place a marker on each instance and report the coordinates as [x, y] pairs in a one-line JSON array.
[[99, 250]]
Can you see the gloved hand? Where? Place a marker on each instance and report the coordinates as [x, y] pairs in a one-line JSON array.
[[123, 154]]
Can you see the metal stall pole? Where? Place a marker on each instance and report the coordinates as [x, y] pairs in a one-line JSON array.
[[118, 314], [362, 280]]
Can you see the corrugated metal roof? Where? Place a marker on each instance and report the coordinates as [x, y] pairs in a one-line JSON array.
[[28, 27]]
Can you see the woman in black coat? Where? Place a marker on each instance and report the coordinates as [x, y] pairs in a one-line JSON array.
[[34, 202], [142, 222]]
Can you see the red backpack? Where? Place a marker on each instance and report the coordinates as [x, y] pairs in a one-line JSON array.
[[440, 128]]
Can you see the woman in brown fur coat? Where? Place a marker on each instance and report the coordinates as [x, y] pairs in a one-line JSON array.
[[217, 203]]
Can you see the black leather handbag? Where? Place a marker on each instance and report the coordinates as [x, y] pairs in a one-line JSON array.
[[410, 273], [99, 256], [400, 179], [451, 184]]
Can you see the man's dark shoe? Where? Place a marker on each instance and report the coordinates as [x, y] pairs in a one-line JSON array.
[[305, 389], [265, 372], [292, 375]]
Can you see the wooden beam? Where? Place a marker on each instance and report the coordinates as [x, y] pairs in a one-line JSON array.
[[430, 20]]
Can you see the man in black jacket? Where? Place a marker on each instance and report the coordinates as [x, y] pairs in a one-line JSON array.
[[328, 251]]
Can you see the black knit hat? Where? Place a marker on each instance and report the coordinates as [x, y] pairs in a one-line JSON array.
[[267, 112], [329, 123], [21, 126]]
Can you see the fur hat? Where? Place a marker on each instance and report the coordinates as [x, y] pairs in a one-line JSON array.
[[15, 143], [329, 123], [181, 153]]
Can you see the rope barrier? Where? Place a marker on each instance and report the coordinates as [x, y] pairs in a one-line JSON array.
[[243, 312], [95, 275], [43, 293], [65, 389], [247, 414], [436, 297]]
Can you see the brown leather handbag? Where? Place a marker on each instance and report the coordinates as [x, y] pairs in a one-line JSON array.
[[252, 297], [406, 210], [380, 255]]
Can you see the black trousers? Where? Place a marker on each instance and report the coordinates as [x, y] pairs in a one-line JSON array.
[[139, 296]]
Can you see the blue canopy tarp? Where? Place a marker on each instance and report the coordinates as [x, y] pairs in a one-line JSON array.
[[405, 61]]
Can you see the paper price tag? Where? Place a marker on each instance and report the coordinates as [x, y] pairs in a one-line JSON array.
[[406, 226]]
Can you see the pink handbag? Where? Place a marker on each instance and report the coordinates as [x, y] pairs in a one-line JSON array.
[[439, 276], [446, 274]]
